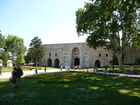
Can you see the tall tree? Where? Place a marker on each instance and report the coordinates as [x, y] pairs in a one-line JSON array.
[[20, 59], [36, 50], [15, 45], [4, 56], [2, 40], [112, 24], [28, 58]]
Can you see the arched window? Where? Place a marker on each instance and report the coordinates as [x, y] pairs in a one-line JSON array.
[[56, 63], [76, 62], [75, 56], [97, 63], [106, 54], [49, 63]]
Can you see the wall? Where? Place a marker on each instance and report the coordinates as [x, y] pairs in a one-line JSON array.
[[66, 55]]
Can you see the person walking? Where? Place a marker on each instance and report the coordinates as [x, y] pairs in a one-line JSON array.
[[36, 69], [19, 74], [45, 69], [106, 67], [131, 69], [61, 67], [113, 68], [13, 79]]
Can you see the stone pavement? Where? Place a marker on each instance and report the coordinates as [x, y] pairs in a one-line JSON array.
[[116, 74], [8, 74]]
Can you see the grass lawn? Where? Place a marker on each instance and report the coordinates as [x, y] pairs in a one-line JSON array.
[[71, 88]]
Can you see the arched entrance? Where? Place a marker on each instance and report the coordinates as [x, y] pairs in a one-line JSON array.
[[49, 63], [75, 57], [97, 63], [56, 63], [76, 61]]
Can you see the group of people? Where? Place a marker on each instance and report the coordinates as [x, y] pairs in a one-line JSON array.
[[16, 76], [77, 67], [111, 68]]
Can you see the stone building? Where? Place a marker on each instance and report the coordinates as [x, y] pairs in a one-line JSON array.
[[72, 54], [132, 56]]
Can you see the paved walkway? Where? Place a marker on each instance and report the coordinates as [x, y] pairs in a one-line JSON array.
[[117, 74], [8, 74]]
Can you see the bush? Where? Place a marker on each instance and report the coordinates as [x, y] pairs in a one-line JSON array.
[[114, 61], [137, 61]]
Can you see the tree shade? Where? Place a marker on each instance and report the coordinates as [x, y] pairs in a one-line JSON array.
[[112, 24]]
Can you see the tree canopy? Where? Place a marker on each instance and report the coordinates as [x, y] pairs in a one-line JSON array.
[[2, 40], [12, 44], [36, 50], [113, 24], [15, 44]]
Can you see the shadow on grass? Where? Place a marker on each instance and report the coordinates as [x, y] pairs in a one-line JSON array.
[[85, 89]]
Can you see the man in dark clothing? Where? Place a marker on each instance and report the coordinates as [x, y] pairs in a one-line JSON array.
[[19, 74], [13, 79]]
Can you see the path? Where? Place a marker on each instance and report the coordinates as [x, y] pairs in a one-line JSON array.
[[32, 72], [8, 74], [117, 74]]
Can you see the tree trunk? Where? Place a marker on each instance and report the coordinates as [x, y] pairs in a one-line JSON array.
[[36, 65], [36, 69], [120, 61]]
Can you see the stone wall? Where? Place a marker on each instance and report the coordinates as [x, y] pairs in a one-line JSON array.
[[132, 56], [74, 54]]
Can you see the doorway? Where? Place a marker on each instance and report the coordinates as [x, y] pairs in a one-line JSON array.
[[76, 61]]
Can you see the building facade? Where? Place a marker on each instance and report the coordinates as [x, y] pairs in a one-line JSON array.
[[73, 54]]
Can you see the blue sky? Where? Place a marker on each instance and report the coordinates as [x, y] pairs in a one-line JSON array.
[[52, 20]]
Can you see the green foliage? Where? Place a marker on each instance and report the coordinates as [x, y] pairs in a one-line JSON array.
[[137, 61], [2, 41], [36, 50], [12, 44], [112, 24], [28, 58], [20, 60], [4, 56], [15, 44], [114, 60]]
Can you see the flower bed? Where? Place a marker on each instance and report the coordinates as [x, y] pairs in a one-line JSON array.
[[137, 73]]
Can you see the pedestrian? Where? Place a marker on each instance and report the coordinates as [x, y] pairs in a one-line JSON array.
[[110, 68], [96, 69], [93, 68], [131, 68], [19, 74], [113, 68], [61, 67], [1, 70], [79, 67], [36, 70], [45, 69], [106, 68], [13, 79], [68, 68]]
